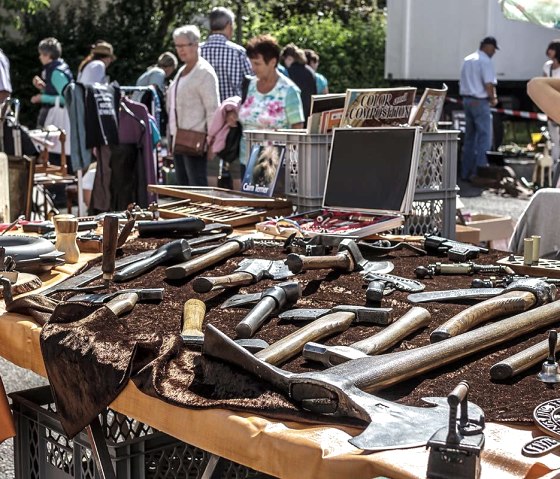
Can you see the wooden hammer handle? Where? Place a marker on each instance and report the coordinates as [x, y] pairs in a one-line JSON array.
[[502, 305], [298, 263], [412, 320], [204, 284], [194, 311], [123, 303], [110, 238], [293, 344]]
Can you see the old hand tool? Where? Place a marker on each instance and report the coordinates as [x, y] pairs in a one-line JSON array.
[[364, 314], [178, 226], [229, 248], [455, 250], [347, 259], [249, 271], [342, 390], [380, 284], [273, 299], [517, 297], [508, 279], [384, 247], [455, 449], [12, 224], [540, 446], [175, 251], [110, 239], [460, 268], [314, 246], [336, 320], [550, 372], [521, 361], [145, 294], [194, 311], [414, 319]]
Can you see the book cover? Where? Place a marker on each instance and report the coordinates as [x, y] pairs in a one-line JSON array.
[[330, 101], [261, 175], [329, 120], [368, 107], [428, 111]]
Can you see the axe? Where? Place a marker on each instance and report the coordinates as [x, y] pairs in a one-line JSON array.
[[229, 248], [349, 258], [343, 390], [414, 319], [194, 311], [249, 271]]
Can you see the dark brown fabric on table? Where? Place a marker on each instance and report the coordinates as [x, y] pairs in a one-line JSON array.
[[39, 307], [90, 356]]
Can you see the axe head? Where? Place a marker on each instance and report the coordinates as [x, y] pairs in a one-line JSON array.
[[330, 355], [252, 345], [363, 314], [257, 268]]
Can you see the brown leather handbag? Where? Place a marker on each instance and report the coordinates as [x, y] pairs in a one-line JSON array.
[[190, 142]]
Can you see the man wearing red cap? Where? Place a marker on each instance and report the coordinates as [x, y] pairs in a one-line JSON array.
[[478, 90]]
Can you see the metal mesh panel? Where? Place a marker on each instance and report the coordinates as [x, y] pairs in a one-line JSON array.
[[59, 451], [430, 166], [428, 217], [292, 159]]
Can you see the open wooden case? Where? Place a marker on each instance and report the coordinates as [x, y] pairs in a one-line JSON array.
[[371, 177], [219, 204]]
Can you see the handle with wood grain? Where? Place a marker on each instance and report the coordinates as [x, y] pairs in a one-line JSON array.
[[204, 284], [298, 263], [292, 344], [194, 311], [123, 303], [110, 239], [502, 305]]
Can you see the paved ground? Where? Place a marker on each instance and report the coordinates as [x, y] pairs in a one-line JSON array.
[[16, 379]]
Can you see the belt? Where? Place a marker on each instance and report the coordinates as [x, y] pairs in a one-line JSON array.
[[474, 97]]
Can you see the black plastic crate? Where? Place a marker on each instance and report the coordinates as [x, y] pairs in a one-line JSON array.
[[43, 451]]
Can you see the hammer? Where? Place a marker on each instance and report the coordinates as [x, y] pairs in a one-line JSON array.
[[272, 299], [414, 319], [178, 250], [192, 335], [349, 258], [225, 250]]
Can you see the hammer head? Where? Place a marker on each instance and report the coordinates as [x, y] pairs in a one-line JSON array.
[[178, 250], [330, 355], [352, 248], [245, 242], [252, 345], [285, 293]]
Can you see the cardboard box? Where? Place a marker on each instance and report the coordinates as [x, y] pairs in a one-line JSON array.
[[492, 227], [467, 234]]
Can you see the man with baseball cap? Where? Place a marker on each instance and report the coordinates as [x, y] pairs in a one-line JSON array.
[[478, 92]]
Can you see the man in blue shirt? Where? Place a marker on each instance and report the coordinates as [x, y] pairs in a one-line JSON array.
[[478, 90], [228, 59]]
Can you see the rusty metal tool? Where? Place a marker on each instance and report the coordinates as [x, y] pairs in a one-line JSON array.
[[461, 268], [273, 299], [521, 361], [349, 258], [249, 271], [517, 297], [174, 251], [194, 311], [380, 284], [364, 314], [411, 321], [144, 294], [229, 248], [343, 390]]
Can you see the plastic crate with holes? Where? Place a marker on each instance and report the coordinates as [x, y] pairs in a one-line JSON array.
[[42, 450]]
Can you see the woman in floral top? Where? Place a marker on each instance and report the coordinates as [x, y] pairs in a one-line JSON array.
[[273, 101]]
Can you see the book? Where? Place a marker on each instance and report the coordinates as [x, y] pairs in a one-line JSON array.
[[330, 119], [429, 109], [321, 104], [367, 107], [263, 167]]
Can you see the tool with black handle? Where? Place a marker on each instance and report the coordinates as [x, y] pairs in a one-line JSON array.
[[167, 228], [110, 239]]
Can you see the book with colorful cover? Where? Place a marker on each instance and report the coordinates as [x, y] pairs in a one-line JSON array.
[[330, 119], [321, 104], [429, 109], [367, 107], [265, 163]]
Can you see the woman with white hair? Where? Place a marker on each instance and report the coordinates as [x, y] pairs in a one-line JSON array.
[[192, 100]]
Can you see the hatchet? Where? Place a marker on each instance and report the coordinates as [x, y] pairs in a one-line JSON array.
[[194, 311], [249, 271], [343, 390]]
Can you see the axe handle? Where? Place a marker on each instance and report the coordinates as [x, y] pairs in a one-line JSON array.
[[412, 320], [293, 344], [194, 311], [123, 303], [521, 361], [182, 270], [298, 263], [110, 238], [502, 305], [204, 284]]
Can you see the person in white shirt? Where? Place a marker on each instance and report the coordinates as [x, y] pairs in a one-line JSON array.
[[93, 68]]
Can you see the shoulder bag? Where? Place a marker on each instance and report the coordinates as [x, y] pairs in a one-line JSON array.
[[188, 142]]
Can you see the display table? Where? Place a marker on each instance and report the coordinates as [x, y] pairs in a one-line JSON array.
[[284, 449]]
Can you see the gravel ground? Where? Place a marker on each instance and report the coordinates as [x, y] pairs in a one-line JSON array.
[[17, 379]]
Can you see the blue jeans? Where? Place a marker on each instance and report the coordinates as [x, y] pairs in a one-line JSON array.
[[191, 170], [478, 136]]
